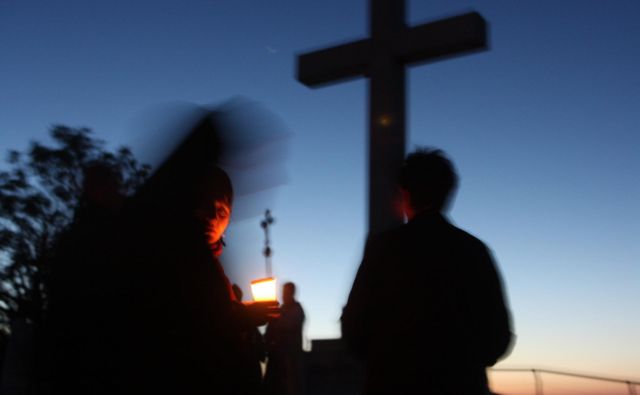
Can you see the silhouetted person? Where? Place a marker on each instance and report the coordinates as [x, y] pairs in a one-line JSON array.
[[182, 329], [426, 312], [285, 374], [255, 348], [77, 349]]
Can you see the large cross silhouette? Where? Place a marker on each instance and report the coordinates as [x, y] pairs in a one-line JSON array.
[[382, 58]]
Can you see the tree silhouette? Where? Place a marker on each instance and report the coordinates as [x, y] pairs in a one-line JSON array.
[[39, 193]]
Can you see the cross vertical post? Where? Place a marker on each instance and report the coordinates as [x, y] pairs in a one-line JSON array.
[[386, 113]]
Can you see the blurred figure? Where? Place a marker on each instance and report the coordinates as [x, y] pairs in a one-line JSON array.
[[255, 348], [252, 144], [285, 370], [181, 328], [102, 191], [426, 312], [78, 346]]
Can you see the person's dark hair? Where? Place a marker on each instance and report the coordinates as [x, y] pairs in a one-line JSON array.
[[214, 185], [429, 177], [219, 185]]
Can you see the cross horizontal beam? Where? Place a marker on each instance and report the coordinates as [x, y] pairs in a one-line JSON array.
[[428, 42], [334, 64], [463, 34]]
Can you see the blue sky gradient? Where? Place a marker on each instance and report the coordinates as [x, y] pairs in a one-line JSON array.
[[543, 129]]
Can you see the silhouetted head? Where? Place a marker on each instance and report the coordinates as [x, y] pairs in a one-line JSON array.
[[101, 187], [288, 293], [427, 181]]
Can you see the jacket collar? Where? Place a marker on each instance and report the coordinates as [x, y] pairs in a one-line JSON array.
[[428, 217]]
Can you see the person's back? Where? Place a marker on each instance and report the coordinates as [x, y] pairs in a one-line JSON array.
[[426, 309], [284, 340]]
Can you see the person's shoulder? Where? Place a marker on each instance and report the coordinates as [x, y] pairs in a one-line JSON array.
[[380, 245], [462, 236], [388, 237], [299, 308]]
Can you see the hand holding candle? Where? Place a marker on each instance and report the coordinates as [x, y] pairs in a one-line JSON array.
[[265, 305]]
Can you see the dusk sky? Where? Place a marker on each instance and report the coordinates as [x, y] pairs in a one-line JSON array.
[[544, 129]]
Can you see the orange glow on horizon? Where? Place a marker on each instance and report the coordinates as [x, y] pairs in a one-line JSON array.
[[264, 289], [523, 383]]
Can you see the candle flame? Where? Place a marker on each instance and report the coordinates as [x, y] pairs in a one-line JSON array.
[[264, 289]]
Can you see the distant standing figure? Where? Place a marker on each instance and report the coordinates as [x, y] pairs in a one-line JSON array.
[[427, 309], [285, 370]]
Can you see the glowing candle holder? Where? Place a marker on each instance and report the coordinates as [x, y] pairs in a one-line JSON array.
[[264, 290]]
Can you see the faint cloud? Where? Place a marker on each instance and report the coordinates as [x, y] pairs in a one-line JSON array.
[[271, 50]]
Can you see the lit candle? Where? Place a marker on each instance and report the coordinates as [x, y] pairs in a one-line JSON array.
[[264, 289]]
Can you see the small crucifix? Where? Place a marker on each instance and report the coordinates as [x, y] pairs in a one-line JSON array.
[[382, 59], [264, 224]]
